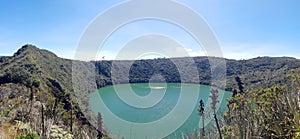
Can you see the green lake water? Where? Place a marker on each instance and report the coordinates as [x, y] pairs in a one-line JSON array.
[[155, 110]]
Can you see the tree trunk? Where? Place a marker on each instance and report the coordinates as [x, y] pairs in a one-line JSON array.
[[54, 114], [71, 120], [217, 123], [203, 131], [100, 134], [43, 122]]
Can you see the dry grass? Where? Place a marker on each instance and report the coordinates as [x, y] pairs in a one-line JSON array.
[[8, 131]]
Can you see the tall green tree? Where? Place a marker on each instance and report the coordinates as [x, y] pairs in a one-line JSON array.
[[240, 84]]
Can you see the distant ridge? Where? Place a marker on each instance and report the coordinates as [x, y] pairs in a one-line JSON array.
[[253, 71]]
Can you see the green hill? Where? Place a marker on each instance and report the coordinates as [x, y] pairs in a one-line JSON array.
[[43, 78]]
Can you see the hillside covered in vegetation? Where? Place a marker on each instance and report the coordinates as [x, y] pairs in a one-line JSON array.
[[33, 79], [256, 73], [37, 94]]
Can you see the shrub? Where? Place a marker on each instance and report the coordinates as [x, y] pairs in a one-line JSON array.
[[28, 136], [297, 134]]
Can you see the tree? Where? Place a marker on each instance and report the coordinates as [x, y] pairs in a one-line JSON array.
[[43, 123], [71, 119], [100, 133], [240, 84], [214, 101], [201, 111], [234, 92]]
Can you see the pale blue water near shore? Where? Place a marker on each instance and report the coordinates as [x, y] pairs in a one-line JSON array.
[[165, 98]]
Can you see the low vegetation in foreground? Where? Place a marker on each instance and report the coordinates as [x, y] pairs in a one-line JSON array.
[[258, 113]]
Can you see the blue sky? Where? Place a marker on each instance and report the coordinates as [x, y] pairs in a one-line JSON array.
[[245, 29]]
